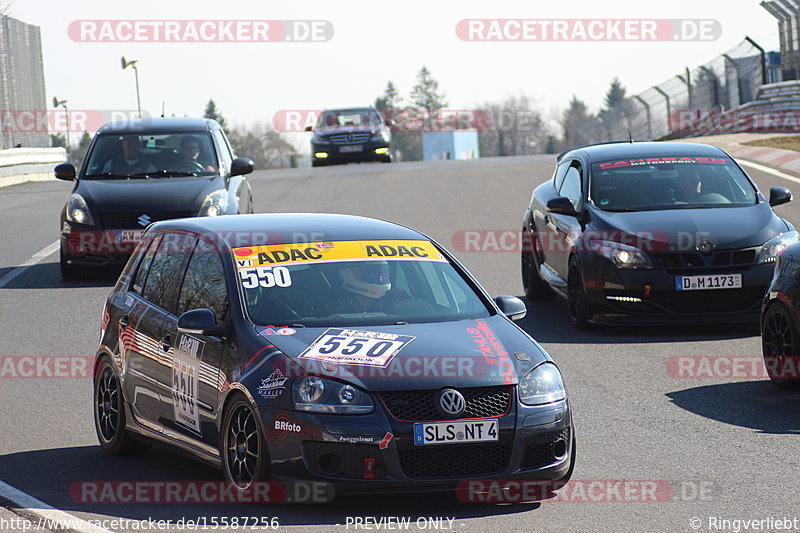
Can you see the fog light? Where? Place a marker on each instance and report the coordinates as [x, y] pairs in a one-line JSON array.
[[381, 150], [629, 299], [321, 155]]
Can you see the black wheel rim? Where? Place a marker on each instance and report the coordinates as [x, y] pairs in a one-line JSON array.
[[242, 446], [778, 340], [575, 293], [107, 405]]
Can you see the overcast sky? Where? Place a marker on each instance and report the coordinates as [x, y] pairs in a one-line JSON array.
[[373, 42]]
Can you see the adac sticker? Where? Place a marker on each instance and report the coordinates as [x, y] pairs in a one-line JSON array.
[[335, 251], [356, 347]]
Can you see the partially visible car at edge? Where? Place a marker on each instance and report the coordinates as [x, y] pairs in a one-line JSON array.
[[780, 325]]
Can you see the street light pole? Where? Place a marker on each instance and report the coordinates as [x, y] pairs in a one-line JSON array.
[[132, 64], [63, 103]]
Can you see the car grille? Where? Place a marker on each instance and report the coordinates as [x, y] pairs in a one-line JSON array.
[[482, 402], [455, 461], [724, 258], [540, 449], [350, 138], [342, 459], [131, 220]]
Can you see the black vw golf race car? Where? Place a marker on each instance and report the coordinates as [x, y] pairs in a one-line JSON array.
[[326, 348], [140, 171], [652, 232]]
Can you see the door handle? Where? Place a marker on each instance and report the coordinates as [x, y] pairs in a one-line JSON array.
[[124, 321], [166, 343]]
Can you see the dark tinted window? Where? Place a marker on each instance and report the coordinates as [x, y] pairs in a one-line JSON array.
[[204, 282], [163, 273], [571, 188], [144, 265]]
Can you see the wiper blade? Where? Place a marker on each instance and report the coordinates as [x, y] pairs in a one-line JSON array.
[[108, 175], [171, 173]]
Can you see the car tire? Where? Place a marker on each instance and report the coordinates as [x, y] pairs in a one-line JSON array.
[[576, 295], [243, 449], [780, 339], [536, 289], [109, 414], [69, 272]]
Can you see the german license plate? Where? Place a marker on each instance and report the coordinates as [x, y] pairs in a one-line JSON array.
[[455, 432], [704, 283], [351, 148], [129, 235]]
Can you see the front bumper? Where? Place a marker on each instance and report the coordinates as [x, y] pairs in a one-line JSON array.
[[621, 296], [333, 154], [375, 452], [88, 246]]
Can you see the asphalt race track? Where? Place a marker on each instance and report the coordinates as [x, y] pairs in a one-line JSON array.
[[718, 448]]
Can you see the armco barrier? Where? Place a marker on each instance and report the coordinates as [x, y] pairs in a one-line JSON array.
[[18, 165]]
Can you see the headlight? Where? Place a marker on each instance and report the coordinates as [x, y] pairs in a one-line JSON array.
[[542, 385], [78, 211], [622, 255], [776, 245], [320, 395], [381, 136], [215, 204], [318, 138]]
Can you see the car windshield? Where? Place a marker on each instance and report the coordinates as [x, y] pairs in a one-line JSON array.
[[148, 155], [349, 117], [653, 183], [350, 283]]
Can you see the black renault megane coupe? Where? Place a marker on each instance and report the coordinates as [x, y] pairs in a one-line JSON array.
[[328, 348], [652, 232]]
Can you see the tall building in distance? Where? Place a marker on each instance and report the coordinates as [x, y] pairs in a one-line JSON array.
[[22, 88]]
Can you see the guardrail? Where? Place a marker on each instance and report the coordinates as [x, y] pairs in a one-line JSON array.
[[18, 165]]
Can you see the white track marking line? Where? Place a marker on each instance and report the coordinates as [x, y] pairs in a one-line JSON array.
[[35, 258], [762, 168], [31, 505]]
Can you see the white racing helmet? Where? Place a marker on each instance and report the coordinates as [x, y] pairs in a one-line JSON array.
[[370, 279]]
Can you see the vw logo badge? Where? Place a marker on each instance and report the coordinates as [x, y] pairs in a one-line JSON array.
[[452, 402], [144, 220], [704, 247]]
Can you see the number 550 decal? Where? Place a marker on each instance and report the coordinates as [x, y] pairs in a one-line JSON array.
[[265, 276], [356, 347]]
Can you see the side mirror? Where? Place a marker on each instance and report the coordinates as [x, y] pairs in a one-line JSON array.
[[241, 166], [512, 307], [562, 206], [777, 195], [200, 322], [66, 171], [309, 128]]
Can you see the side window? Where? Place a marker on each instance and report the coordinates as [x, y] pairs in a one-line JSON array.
[[224, 151], [164, 269], [144, 265], [571, 187], [204, 282], [558, 176]]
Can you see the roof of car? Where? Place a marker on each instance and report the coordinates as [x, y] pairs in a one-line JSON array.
[[360, 108], [284, 228], [159, 124], [607, 151]]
